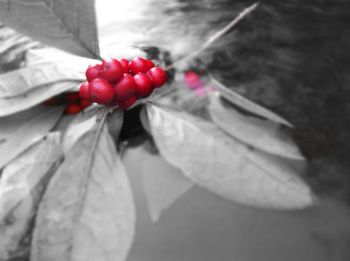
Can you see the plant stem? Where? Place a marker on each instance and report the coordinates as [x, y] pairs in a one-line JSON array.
[[228, 28]]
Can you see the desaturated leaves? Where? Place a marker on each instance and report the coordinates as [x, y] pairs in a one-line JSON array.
[[163, 184], [49, 72], [22, 182], [19, 135], [258, 133], [86, 218], [214, 160], [68, 25], [246, 104]]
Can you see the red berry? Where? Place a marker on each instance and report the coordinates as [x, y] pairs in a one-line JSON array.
[[127, 103], [84, 91], [150, 64], [72, 96], [73, 109], [101, 91], [125, 64], [111, 70], [144, 85], [93, 72], [158, 76], [125, 88], [52, 101], [138, 64], [85, 103]]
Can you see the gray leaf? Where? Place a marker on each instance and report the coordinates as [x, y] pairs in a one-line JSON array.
[[227, 167], [104, 228], [68, 25], [258, 133], [163, 184], [34, 128], [81, 124], [22, 183], [36, 96], [248, 105], [35, 76]]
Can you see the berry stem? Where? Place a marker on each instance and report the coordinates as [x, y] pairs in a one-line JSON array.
[[228, 28]]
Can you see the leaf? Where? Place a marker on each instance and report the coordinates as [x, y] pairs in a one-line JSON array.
[[22, 183], [68, 25], [30, 131], [13, 47], [11, 123], [82, 124], [225, 166], [262, 134], [36, 96], [144, 120], [163, 184], [104, 228], [26, 79], [248, 105], [115, 122], [49, 73]]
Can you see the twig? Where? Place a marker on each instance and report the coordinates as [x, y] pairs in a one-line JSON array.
[[228, 28]]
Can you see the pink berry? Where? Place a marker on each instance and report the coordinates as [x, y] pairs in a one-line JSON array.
[[111, 70], [101, 91], [138, 64], [125, 65], [93, 72], [144, 85], [127, 103], [125, 88], [158, 76], [84, 91]]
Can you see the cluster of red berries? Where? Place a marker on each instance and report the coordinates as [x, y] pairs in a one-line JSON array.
[[120, 82], [72, 101], [75, 104]]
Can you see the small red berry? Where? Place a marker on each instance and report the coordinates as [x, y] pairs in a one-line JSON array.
[[52, 101], [144, 85], [127, 103], [73, 109], [158, 76], [125, 88], [85, 103], [101, 91], [84, 91], [138, 64], [72, 96], [111, 70], [150, 64], [93, 72], [125, 65]]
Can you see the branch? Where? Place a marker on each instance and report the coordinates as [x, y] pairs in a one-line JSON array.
[[228, 28]]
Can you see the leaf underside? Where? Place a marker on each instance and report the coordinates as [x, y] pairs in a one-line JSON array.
[[225, 166], [22, 183], [68, 25], [28, 132], [259, 133], [104, 228]]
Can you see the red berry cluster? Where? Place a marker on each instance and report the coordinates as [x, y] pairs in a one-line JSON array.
[[75, 104], [120, 82]]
